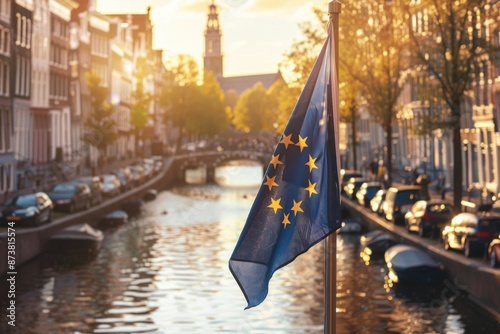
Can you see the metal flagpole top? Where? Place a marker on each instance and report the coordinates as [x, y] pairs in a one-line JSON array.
[[334, 7]]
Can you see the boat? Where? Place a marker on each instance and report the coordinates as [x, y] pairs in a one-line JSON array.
[[150, 195], [116, 217], [133, 207], [77, 236], [411, 265], [350, 225], [377, 241]]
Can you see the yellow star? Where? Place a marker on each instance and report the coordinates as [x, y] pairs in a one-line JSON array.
[[311, 189], [296, 207], [275, 205], [285, 221], [270, 182], [287, 140], [301, 143], [275, 161], [311, 163]]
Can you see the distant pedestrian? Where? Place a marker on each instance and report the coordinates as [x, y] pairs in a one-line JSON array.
[[381, 171], [415, 176], [373, 170], [442, 185]]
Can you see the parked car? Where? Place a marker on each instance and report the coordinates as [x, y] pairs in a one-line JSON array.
[[345, 175], [478, 198], [158, 163], [377, 201], [366, 193], [137, 174], [148, 170], [471, 232], [352, 186], [110, 185], [399, 200], [96, 188], [429, 217], [71, 196], [125, 177], [493, 251], [27, 209]]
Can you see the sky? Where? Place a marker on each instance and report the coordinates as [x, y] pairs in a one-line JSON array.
[[255, 33]]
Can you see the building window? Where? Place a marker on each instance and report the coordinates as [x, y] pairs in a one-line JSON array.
[[23, 31], [28, 33], [4, 78], [18, 74], [18, 30], [5, 46], [28, 77], [497, 44], [5, 130], [5, 8]]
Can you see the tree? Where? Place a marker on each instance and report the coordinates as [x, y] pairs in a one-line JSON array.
[[230, 100], [282, 100], [449, 41], [349, 109], [142, 101], [101, 131], [300, 59], [178, 93], [374, 55], [195, 109], [253, 111], [212, 117]]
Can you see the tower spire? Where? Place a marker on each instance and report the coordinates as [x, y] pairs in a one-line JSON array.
[[212, 60]]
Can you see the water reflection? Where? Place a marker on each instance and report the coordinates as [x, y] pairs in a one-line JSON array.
[[239, 173], [166, 272]]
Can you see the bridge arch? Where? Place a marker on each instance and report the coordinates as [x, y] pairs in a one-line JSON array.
[[210, 160]]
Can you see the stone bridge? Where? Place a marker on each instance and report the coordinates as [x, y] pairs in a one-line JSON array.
[[209, 160]]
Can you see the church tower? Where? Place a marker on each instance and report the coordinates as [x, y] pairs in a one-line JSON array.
[[212, 59]]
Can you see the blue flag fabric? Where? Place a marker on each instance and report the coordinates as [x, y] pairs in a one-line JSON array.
[[298, 204]]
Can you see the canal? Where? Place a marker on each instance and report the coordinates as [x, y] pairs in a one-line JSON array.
[[166, 272]]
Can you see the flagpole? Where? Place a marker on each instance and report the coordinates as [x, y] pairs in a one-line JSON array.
[[334, 9]]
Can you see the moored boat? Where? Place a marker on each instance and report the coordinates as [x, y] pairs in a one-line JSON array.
[[150, 195], [77, 236], [133, 207], [378, 241], [116, 217], [408, 264], [350, 225]]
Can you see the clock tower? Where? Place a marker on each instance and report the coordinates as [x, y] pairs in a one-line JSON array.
[[212, 59]]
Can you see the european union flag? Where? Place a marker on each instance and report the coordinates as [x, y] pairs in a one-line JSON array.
[[298, 204]]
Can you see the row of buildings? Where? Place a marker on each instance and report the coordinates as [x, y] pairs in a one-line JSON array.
[[432, 153], [47, 47]]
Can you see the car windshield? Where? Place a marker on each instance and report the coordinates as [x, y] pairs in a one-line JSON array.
[[108, 179], [25, 200], [407, 196], [64, 187]]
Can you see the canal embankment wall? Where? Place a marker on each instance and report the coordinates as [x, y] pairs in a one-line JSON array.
[[31, 242], [472, 277]]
